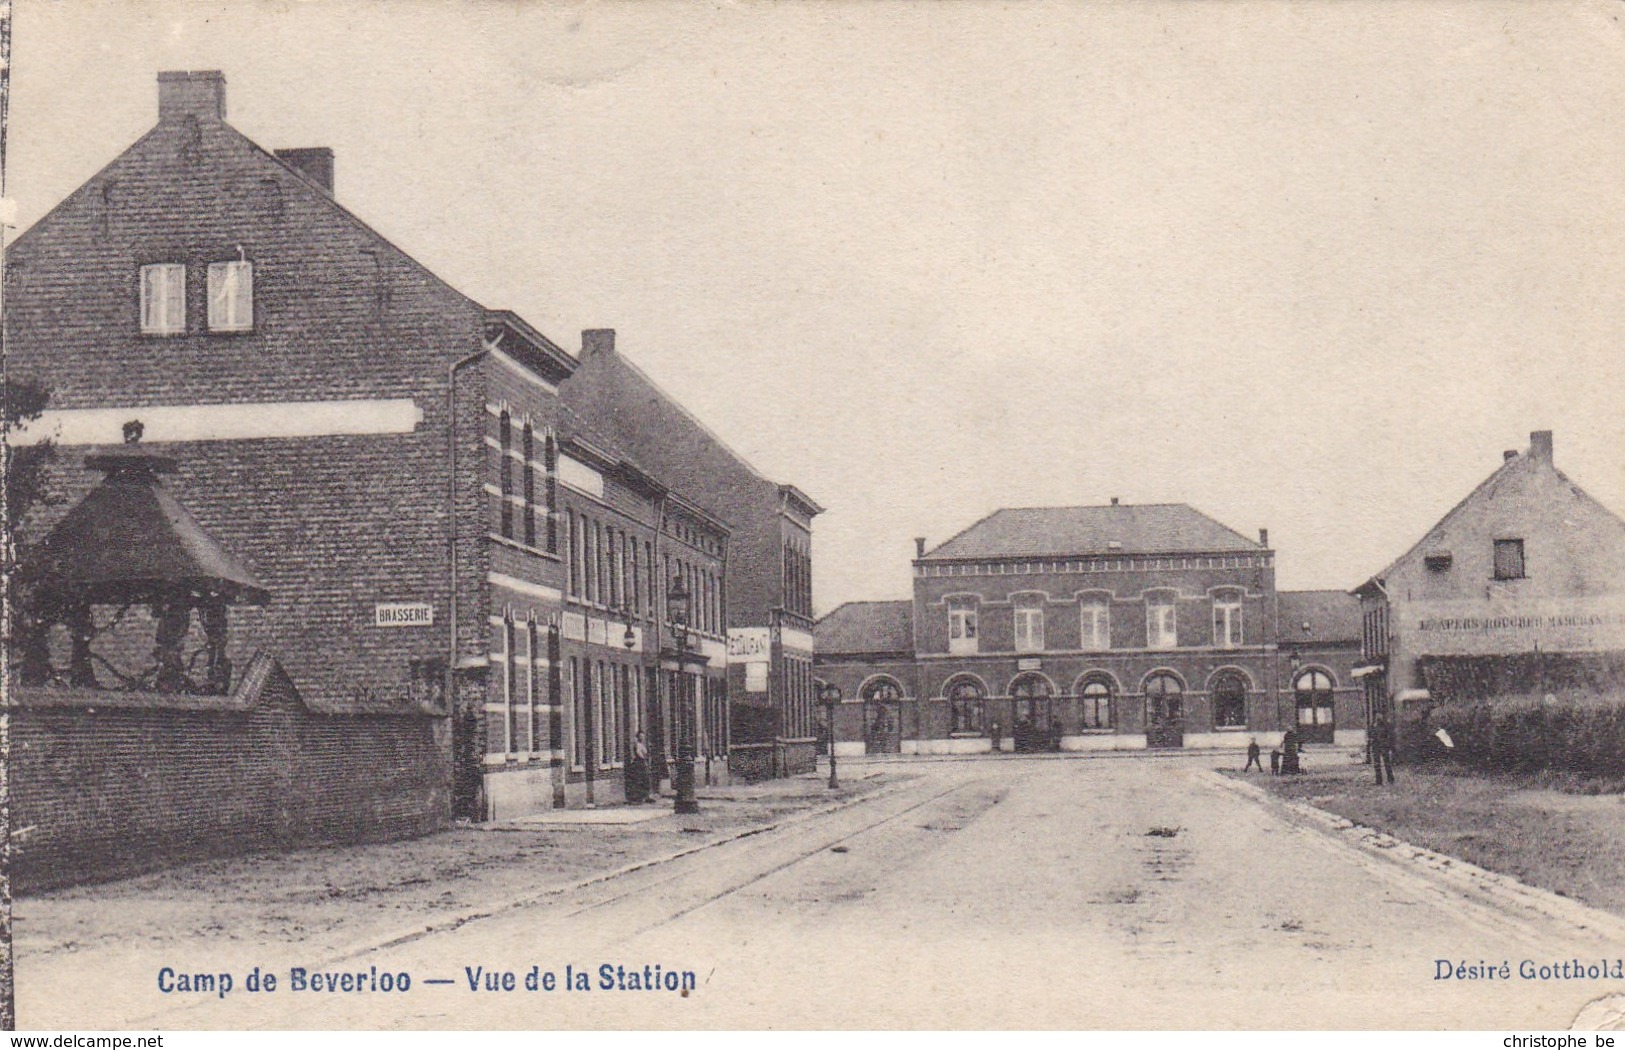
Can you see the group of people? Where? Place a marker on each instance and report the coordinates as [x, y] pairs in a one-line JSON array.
[[1287, 759]]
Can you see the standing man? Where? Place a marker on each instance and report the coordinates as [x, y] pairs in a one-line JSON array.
[[1252, 756], [1382, 748]]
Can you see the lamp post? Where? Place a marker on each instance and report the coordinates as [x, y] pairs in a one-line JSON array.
[[830, 696], [677, 599]]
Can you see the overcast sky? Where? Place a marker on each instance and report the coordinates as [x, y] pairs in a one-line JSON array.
[[1303, 266]]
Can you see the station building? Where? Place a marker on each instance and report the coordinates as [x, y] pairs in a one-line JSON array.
[[1094, 627], [453, 530], [1518, 591]]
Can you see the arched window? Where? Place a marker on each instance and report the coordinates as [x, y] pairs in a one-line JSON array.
[[965, 703], [882, 690], [1032, 696], [1095, 703], [1229, 701], [1313, 690]]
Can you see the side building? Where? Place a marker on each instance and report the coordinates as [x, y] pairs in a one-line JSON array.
[[1518, 591], [1118, 627], [768, 575]]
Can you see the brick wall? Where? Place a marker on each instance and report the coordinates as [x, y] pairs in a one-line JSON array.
[[110, 785]]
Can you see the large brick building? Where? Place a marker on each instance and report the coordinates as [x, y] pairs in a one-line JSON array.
[[454, 520], [768, 569], [1091, 627], [1518, 591]]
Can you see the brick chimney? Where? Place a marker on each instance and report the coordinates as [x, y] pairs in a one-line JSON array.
[[1114, 501], [1540, 445], [919, 546], [315, 163], [1510, 453], [1263, 537], [200, 94], [595, 341]]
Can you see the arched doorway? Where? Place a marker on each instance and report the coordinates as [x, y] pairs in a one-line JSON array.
[[1033, 713], [1229, 693], [882, 716], [1164, 711], [1313, 691], [1096, 705]]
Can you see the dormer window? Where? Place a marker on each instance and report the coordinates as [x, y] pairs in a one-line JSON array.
[[163, 299], [1437, 561], [231, 296]]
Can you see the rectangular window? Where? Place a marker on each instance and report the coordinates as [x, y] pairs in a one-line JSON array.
[[1096, 626], [1227, 622], [1160, 623], [962, 629], [572, 541], [1509, 559], [511, 666], [1029, 628], [231, 296], [504, 452], [530, 486], [163, 299]]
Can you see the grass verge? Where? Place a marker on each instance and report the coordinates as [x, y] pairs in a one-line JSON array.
[[1571, 844]]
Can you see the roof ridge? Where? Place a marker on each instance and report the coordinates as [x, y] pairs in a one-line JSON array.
[[698, 423]]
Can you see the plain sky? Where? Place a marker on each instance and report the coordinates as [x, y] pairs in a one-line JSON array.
[[1304, 266]]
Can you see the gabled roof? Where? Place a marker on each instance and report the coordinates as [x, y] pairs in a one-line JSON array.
[[668, 440], [866, 627], [1332, 616], [1147, 528], [1513, 464]]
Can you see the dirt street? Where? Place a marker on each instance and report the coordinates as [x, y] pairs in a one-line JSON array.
[[1026, 893]]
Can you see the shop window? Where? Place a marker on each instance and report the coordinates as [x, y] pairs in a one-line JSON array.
[[1229, 701], [1509, 559], [163, 299]]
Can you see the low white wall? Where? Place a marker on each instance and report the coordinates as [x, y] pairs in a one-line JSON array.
[[850, 749], [1103, 742], [1349, 737], [963, 745]]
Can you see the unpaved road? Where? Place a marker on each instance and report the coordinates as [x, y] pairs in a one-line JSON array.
[[982, 894]]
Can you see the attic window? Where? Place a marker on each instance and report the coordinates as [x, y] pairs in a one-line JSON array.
[[1437, 561]]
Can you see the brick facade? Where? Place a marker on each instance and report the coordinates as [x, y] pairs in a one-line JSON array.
[[365, 438], [1124, 643]]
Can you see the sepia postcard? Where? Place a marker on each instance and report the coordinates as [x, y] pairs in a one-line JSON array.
[[730, 516]]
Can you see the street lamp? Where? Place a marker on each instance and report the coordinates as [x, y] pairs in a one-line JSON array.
[[829, 694], [677, 600]]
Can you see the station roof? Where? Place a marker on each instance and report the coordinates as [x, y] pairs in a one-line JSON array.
[[1147, 528], [866, 627]]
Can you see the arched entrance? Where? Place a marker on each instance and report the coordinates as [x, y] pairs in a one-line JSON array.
[[1312, 690], [882, 716], [1164, 711], [1229, 693], [1033, 713]]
